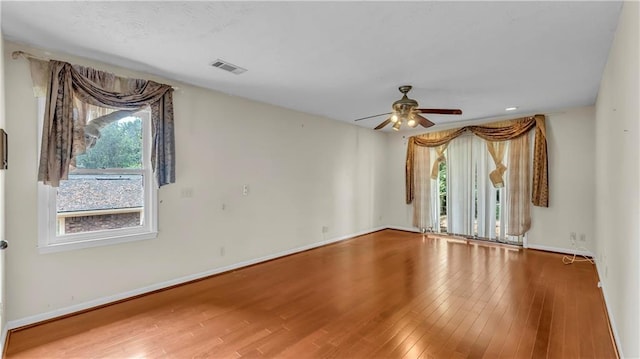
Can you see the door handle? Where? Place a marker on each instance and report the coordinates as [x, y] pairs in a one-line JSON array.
[[3, 244]]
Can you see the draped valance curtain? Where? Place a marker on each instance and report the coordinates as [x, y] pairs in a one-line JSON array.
[[502, 131], [76, 94], [419, 190]]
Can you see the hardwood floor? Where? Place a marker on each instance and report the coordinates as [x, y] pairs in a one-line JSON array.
[[389, 294]]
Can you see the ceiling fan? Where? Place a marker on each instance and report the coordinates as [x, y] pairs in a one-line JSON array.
[[406, 110]]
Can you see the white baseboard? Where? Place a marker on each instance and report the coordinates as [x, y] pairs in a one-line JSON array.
[[3, 340], [612, 322], [561, 250], [162, 285], [407, 229]]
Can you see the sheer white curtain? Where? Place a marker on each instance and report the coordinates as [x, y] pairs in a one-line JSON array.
[[492, 205], [473, 207], [519, 191], [425, 208], [460, 198], [504, 203], [485, 194]]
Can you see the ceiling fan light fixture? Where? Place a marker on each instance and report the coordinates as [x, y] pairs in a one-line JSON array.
[[406, 110]]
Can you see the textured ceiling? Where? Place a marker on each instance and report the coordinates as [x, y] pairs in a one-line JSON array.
[[345, 60]]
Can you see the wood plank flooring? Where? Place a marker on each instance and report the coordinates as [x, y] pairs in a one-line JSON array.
[[389, 294]]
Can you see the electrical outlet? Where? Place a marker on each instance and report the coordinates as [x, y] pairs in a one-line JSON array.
[[572, 238], [222, 251], [245, 190], [583, 237], [325, 229], [186, 192]]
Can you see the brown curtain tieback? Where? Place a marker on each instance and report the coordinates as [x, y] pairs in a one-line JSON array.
[[497, 176], [436, 166]]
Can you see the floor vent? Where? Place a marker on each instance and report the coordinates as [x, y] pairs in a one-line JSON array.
[[221, 64]]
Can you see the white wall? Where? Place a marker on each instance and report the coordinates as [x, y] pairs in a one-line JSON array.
[[570, 148], [398, 214], [618, 181], [570, 136], [304, 172]]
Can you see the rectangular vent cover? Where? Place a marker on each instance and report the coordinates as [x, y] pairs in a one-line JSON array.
[[221, 64]]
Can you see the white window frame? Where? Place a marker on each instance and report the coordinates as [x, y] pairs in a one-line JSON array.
[[48, 239]]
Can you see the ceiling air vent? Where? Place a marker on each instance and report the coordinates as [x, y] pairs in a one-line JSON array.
[[221, 64]]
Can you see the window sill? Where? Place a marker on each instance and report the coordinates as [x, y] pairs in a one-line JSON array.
[[98, 242]]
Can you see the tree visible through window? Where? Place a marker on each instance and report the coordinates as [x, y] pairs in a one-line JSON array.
[[119, 146]]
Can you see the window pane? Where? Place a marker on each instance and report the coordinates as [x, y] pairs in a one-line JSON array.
[[442, 191], [94, 202], [117, 145]]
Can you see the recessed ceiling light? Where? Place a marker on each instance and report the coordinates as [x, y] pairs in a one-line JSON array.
[[511, 108]]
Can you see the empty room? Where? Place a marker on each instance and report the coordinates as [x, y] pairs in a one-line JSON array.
[[302, 179]]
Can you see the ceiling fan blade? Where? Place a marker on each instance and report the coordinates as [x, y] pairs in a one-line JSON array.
[[386, 122], [364, 118], [423, 121], [440, 111]]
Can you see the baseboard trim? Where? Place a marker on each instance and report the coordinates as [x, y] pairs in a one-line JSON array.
[[96, 303], [3, 341], [405, 229], [560, 250], [612, 323]]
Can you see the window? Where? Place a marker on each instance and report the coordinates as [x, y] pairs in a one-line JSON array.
[[469, 204], [442, 196], [109, 197], [478, 199]]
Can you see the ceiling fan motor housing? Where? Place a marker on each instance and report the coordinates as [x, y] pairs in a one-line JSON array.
[[405, 103]]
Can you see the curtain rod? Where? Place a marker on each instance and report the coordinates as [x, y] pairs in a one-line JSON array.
[[17, 54]]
